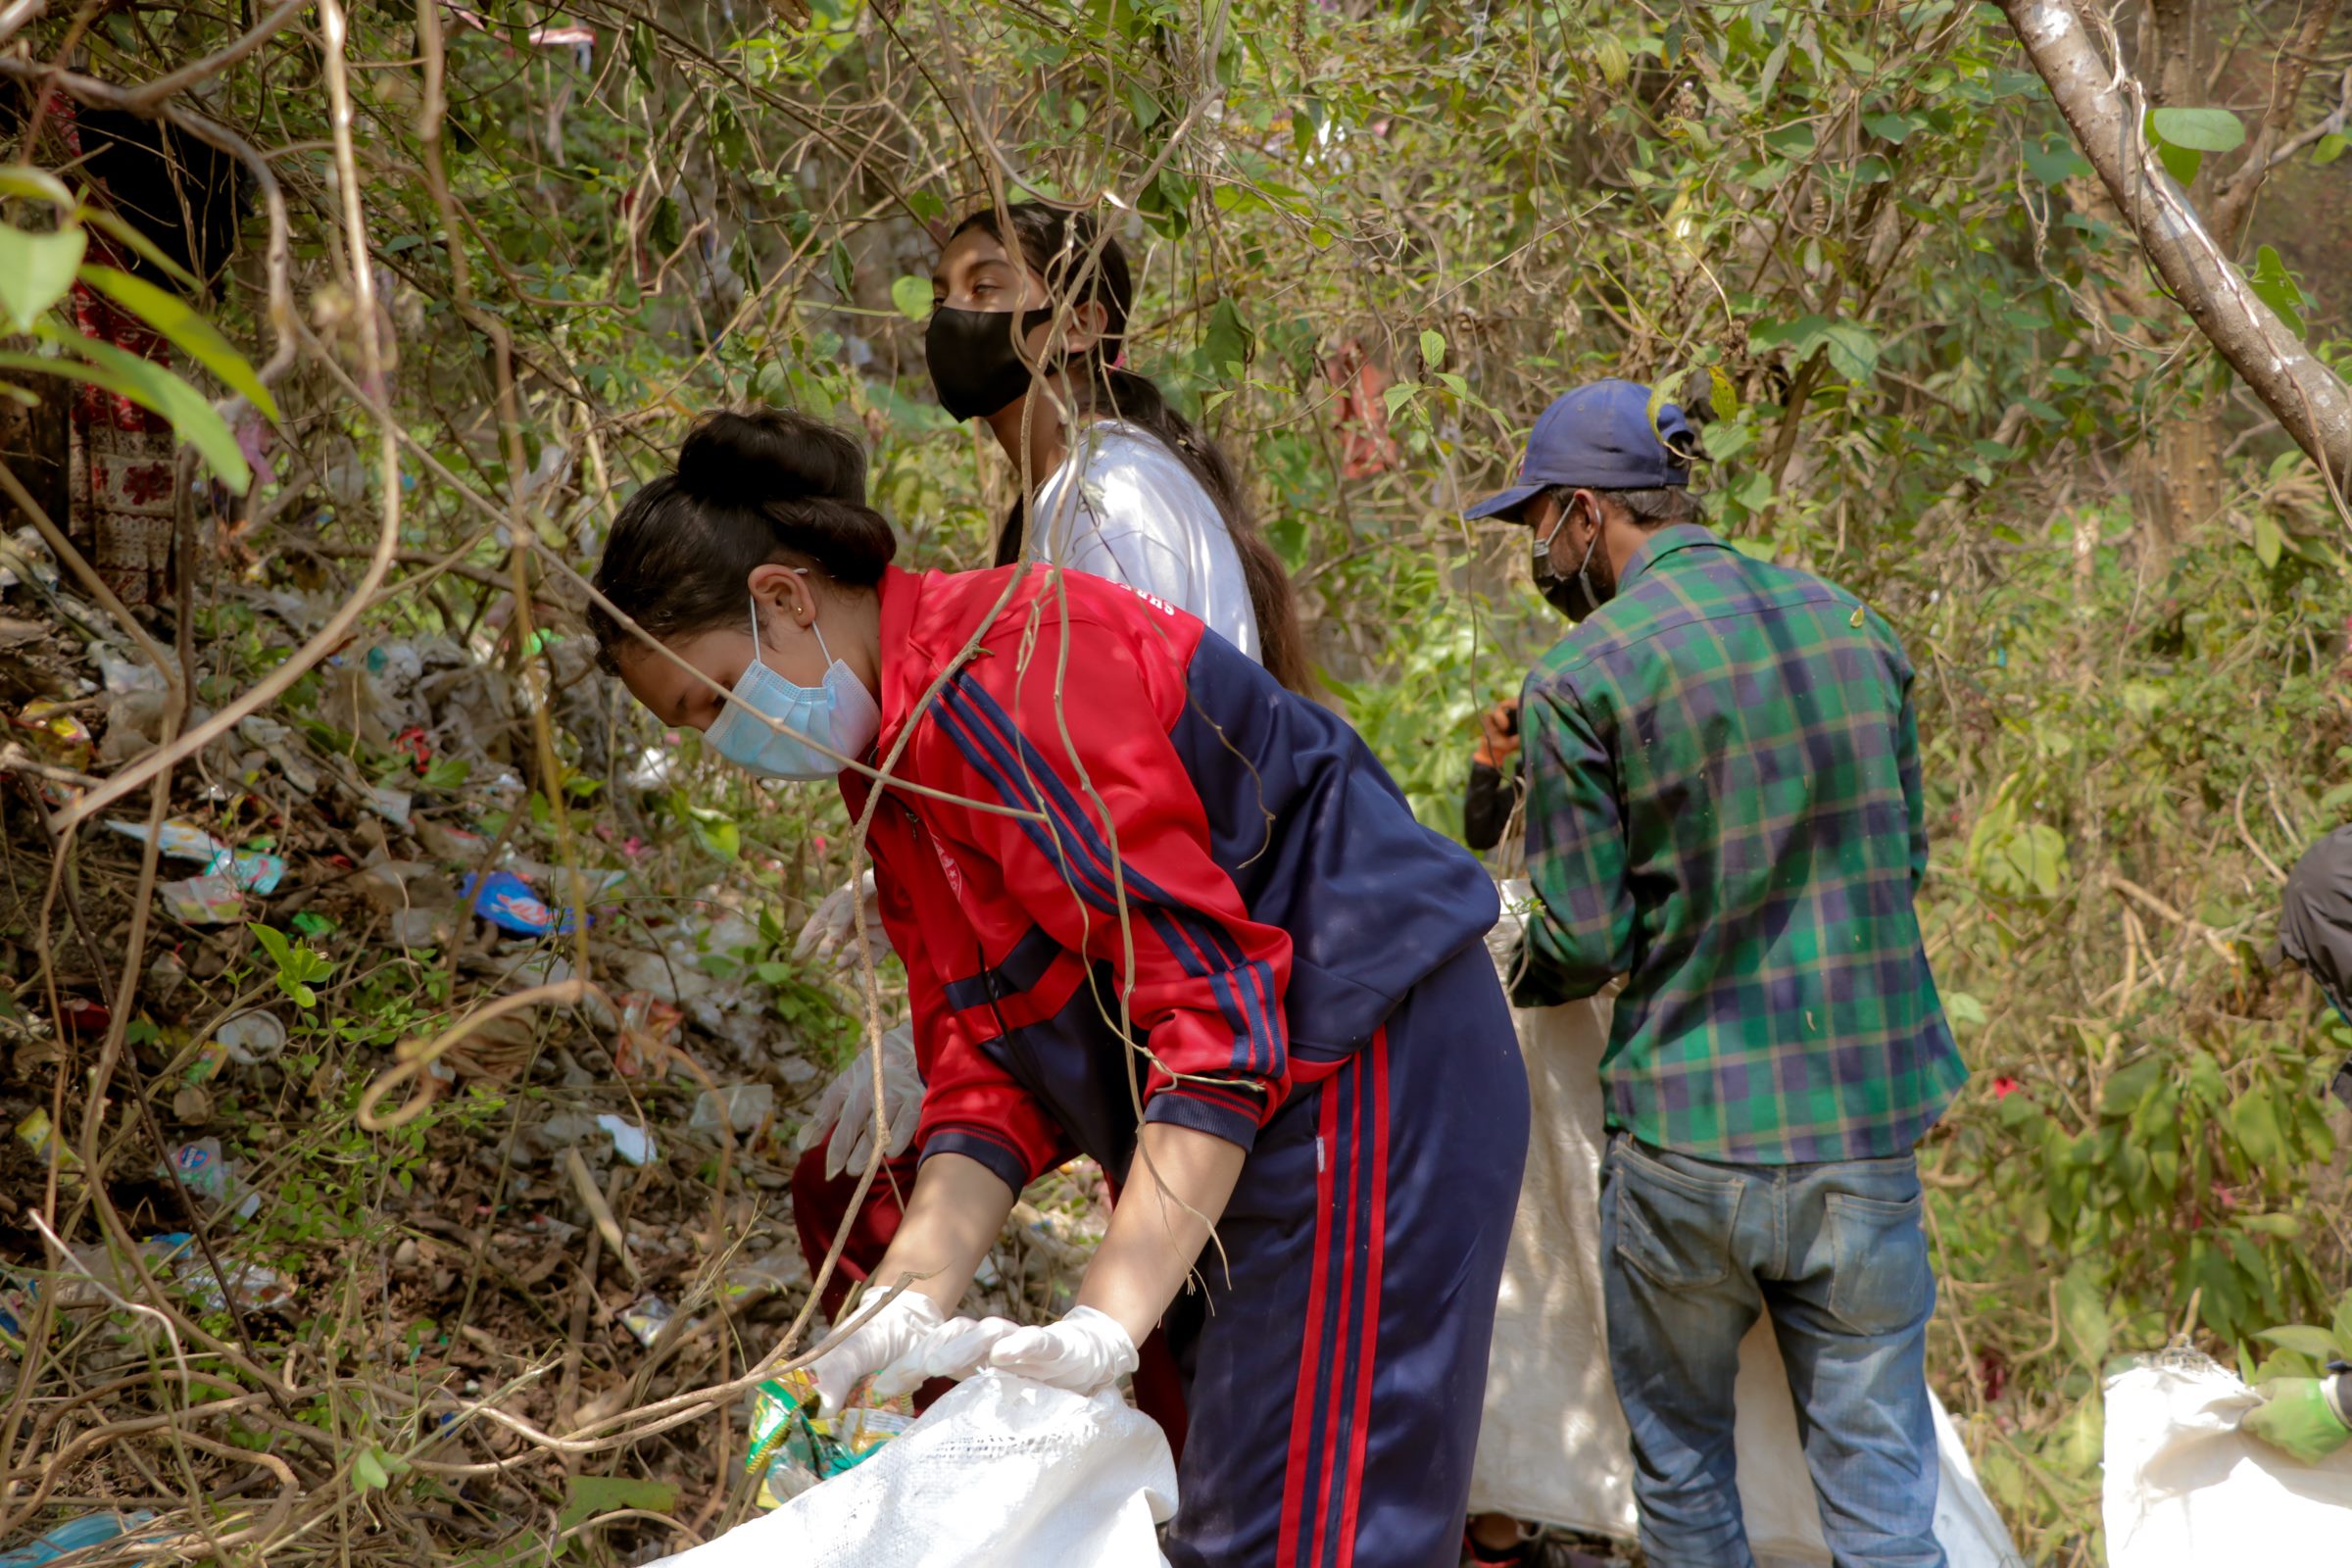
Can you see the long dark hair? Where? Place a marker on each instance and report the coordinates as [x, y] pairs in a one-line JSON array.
[[1056, 246], [762, 485]]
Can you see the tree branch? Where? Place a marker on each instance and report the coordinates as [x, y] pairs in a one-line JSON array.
[[2233, 200], [2103, 106]]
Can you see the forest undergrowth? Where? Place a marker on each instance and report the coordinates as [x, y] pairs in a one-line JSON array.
[[402, 1078]]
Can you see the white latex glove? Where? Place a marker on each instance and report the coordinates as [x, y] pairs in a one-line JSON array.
[[880, 1338], [846, 1109], [1087, 1350], [957, 1350], [831, 933]]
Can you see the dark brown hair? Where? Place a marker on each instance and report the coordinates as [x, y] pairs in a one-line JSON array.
[[762, 485], [1059, 247]]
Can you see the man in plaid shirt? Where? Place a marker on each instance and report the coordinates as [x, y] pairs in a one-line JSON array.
[[1724, 807]]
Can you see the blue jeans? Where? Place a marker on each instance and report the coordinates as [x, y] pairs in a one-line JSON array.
[[1691, 1253]]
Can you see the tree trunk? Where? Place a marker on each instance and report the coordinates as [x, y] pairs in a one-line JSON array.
[[2104, 111]]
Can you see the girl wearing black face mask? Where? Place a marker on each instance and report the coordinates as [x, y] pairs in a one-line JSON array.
[[1029, 312]]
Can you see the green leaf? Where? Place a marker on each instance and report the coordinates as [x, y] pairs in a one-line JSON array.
[[1229, 340], [926, 205], [195, 421], [2318, 1343], [36, 271], [273, 943], [641, 54], [188, 331], [1893, 128], [2082, 1315], [1433, 349], [1722, 396], [2277, 287], [31, 184], [1853, 351], [2328, 148], [2182, 163], [912, 296], [1614, 63], [589, 1495], [1724, 442], [367, 1469], [2054, 160], [2267, 540], [1397, 396], [1960, 1007], [2205, 130]]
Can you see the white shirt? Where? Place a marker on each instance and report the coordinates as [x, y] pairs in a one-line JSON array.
[[1124, 507]]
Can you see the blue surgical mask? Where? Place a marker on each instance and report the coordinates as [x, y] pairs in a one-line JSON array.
[[840, 715]]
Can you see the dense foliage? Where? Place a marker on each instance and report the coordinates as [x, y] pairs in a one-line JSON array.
[[1373, 239]]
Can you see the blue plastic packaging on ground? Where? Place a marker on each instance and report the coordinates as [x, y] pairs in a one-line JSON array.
[[90, 1529], [511, 903]]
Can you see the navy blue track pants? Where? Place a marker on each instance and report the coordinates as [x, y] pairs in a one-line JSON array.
[[1335, 1363]]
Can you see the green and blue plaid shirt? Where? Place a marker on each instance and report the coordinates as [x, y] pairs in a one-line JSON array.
[[1724, 806]]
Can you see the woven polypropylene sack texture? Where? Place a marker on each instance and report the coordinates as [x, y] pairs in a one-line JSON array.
[[2185, 1487], [1000, 1473]]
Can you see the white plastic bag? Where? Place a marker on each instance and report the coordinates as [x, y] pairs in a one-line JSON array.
[[2183, 1486], [1554, 1445], [1000, 1473]]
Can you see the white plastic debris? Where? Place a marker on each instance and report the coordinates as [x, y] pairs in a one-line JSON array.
[[630, 1142], [252, 1037]]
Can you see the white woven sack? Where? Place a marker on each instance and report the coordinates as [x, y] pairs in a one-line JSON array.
[[1553, 1446], [1000, 1473], [2185, 1487]]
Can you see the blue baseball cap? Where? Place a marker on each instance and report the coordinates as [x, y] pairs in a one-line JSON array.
[[1597, 437]]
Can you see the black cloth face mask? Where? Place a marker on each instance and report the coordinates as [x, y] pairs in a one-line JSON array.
[[1572, 597], [974, 367]]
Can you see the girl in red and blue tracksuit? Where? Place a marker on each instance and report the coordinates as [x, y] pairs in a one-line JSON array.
[[1155, 909]]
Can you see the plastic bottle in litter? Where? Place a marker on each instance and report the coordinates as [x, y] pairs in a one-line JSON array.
[[205, 1171]]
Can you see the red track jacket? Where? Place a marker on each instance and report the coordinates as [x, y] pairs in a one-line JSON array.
[[1278, 895]]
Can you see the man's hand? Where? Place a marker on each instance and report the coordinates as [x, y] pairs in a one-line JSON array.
[[846, 1109], [1497, 734], [830, 935], [2300, 1417]]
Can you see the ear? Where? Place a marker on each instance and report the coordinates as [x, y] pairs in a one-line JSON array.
[[785, 592], [1086, 326]]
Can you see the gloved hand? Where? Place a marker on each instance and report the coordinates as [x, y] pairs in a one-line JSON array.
[[2302, 1418], [881, 1338], [1085, 1352], [830, 934], [956, 1350], [846, 1109]]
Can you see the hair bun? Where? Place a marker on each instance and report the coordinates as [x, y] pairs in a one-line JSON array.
[[765, 455]]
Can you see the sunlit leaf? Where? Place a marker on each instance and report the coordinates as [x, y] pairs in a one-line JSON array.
[[188, 331], [1433, 349], [195, 421], [912, 296], [28, 183], [36, 271]]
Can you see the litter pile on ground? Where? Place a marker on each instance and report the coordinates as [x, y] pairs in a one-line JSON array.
[[291, 1248]]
